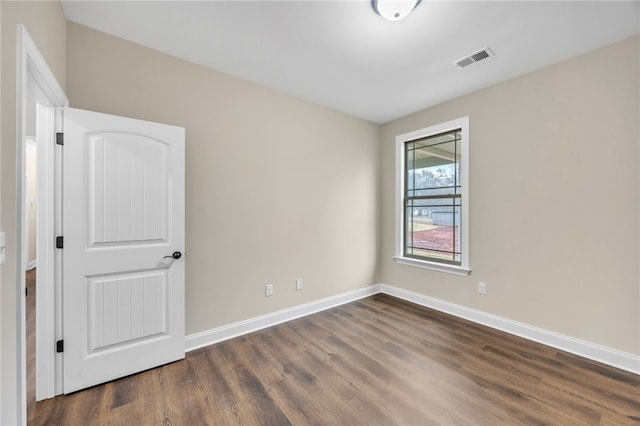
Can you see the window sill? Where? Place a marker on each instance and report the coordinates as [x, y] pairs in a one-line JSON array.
[[440, 267]]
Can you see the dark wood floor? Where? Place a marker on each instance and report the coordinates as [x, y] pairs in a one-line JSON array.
[[378, 361], [31, 338]]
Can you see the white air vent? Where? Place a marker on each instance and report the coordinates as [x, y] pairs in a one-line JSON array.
[[474, 57]]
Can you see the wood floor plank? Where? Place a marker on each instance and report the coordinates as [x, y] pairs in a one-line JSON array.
[[30, 310], [430, 380], [323, 387], [296, 386], [377, 361]]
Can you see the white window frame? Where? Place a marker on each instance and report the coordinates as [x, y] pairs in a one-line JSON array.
[[464, 268]]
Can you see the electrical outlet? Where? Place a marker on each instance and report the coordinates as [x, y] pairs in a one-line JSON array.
[[268, 290], [482, 288], [299, 284]]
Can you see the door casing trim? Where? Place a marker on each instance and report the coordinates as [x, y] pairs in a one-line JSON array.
[[32, 69]]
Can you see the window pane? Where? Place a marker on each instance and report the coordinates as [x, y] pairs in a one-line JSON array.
[[433, 202], [435, 234], [433, 165]]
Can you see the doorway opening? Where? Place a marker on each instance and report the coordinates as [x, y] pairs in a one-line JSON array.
[[30, 187], [39, 97]]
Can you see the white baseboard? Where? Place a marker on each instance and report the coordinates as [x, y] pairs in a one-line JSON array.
[[209, 337], [605, 355]]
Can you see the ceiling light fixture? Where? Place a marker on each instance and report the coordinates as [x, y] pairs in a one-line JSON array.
[[394, 10]]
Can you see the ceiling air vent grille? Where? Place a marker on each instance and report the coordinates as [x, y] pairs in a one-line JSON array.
[[474, 57]]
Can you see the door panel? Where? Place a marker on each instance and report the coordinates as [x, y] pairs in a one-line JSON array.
[[126, 307], [123, 214], [128, 189]]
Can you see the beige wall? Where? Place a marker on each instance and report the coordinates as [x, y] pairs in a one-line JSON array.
[[46, 24], [30, 161], [554, 199], [30, 171], [277, 188]]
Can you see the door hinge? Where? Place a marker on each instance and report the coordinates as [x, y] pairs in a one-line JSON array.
[[60, 346], [59, 242], [60, 138]]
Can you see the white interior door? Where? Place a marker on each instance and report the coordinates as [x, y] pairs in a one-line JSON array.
[[123, 218]]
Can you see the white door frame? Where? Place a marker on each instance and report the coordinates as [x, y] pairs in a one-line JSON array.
[[33, 71]]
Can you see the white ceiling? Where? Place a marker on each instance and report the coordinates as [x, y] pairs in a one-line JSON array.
[[343, 55]]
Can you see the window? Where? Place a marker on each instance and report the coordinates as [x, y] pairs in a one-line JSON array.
[[432, 198]]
